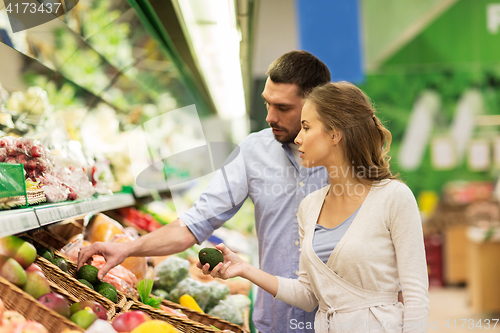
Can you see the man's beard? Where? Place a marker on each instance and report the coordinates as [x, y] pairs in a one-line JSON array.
[[287, 137]]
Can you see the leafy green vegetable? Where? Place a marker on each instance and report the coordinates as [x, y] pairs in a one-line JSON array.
[[144, 288], [170, 272]]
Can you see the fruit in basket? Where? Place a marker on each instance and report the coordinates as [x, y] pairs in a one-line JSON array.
[[12, 271], [34, 268], [89, 273], [110, 294], [210, 256], [23, 252], [156, 326], [84, 318], [104, 285], [62, 264], [55, 302], [46, 253], [126, 322], [30, 327], [12, 317], [87, 283], [36, 284], [189, 302], [98, 309]]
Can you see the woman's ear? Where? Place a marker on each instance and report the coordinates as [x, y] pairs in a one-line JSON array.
[[336, 137]]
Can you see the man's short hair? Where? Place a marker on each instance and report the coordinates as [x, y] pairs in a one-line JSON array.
[[300, 68]]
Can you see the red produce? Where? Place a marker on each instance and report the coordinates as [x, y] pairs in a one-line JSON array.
[[127, 321], [11, 152], [55, 302], [3, 157], [32, 164], [33, 174], [98, 309], [34, 268], [11, 160], [35, 151]]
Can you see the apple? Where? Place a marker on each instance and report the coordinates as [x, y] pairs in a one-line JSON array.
[[126, 322], [3, 156], [34, 268], [31, 327], [11, 160], [84, 318], [12, 271], [23, 252], [36, 284], [13, 317], [98, 309], [55, 302]]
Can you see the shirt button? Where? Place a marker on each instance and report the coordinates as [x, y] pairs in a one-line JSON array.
[[296, 272], [297, 243], [301, 184]]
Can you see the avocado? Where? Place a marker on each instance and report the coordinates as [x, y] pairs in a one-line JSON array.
[[104, 285], [89, 273], [87, 283], [109, 294], [62, 264], [211, 256], [46, 253]]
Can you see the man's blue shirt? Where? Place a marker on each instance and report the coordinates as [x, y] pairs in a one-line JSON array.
[[266, 171]]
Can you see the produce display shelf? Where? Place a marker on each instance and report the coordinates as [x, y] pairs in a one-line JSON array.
[[21, 220]]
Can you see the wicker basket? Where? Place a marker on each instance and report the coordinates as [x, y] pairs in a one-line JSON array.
[[182, 324], [70, 276], [77, 289], [204, 318], [16, 299], [34, 197]]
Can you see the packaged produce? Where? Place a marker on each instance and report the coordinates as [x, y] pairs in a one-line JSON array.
[[120, 277], [170, 272], [137, 265], [35, 157], [198, 290], [102, 229], [100, 326], [173, 311]]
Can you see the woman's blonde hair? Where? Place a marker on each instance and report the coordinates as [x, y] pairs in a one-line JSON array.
[[343, 106]]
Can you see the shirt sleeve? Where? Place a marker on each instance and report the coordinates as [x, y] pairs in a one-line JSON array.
[[407, 236], [298, 292], [221, 199]]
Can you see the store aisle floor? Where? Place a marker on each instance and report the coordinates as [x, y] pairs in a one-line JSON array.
[[448, 304]]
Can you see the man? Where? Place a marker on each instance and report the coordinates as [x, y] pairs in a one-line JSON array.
[[269, 172]]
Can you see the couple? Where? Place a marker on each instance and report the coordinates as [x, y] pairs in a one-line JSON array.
[[383, 247], [360, 236]]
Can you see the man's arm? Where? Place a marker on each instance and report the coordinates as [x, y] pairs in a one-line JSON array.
[[172, 238]]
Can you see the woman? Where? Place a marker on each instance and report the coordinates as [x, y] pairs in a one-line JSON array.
[[361, 236]]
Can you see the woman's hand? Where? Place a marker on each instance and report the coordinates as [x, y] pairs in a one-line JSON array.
[[231, 267]]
